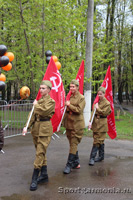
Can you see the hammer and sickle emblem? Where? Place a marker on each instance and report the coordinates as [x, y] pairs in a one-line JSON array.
[[53, 78], [106, 83]]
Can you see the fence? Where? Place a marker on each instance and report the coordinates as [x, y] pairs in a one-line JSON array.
[[14, 116]]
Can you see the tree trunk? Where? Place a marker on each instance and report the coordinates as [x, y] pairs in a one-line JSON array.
[[8, 91], [16, 91], [43, 54], [132, 58], [112, 18], [120, 40], [28, 50], [89, 52]]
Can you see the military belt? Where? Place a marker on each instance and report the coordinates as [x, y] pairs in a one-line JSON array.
[[70, 112], [100, 116], [43, 120]]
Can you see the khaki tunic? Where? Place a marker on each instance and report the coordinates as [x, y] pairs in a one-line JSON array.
[[44, 109], [99, 125], [74, 118], [42, 130], [74, 121]]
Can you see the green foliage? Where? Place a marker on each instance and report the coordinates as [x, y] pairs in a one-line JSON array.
[[29, 28]]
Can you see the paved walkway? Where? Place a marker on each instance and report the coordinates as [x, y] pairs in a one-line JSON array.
[[111, 179]]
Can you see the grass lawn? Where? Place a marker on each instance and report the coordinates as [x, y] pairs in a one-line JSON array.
[[124, 127], [14, 119], [17, 119]]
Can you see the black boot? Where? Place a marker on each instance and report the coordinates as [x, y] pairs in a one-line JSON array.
[[33, 185], [101, 154], [93, 155], [43, 178], [69, 164], [76, 161]]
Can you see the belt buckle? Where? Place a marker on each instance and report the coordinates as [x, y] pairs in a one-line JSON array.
[[38, 120]]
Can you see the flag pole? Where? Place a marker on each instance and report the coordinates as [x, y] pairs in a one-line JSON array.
[[29, 119], [92, 118], [56, 135], [61, 119], [2, 151]]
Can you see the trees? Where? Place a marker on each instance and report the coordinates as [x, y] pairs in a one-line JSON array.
[[29, 28]]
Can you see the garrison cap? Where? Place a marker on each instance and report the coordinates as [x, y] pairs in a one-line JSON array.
[[47, 83], [75, 82], [102, 89]]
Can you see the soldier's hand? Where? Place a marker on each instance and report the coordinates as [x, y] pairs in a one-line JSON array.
[[67, 103], [35, 102], [96, 105], [90, 125], [24, 131]]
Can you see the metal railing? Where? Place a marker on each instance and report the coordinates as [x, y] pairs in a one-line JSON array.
[[20, 101], [13, 117]]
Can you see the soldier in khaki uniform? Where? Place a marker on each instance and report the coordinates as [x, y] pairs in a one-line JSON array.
[[74, 123], [41, 132], [99, 126]]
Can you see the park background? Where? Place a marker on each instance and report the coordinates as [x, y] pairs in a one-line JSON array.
[[30, 28]]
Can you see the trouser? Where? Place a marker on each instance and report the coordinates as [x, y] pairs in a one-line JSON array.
[[74, 138], [98, 138], [41, 143]]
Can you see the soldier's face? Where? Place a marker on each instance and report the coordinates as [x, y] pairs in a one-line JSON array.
[[44, 90], [101, 95], [73, 88]]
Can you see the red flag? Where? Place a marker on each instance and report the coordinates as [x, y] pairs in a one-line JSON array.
[[57, 92], [80, 78], [107, 84]]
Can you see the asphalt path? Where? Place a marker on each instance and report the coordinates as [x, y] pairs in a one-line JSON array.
[[111, 179]]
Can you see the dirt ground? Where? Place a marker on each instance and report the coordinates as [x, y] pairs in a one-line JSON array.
[[111, 179]]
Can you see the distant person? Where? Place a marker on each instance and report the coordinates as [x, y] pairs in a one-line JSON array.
[[41, 131], [74, 123], [99, 126]]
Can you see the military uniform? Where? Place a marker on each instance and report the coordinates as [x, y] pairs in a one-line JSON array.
[[42, 128], [74, 121], [74, 124], [99, 127]]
